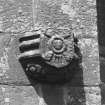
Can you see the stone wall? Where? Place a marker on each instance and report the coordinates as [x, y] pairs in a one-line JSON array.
[[16, 18]]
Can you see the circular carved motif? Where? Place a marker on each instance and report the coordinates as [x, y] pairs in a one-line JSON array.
[[57, 50], [33, 68], [56, 44]]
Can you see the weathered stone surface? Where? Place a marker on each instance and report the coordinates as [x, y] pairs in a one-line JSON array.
[[90, 65], [20, 20], [18, 95], [41, 95], [15, 19], [52, 95], [93, 95]]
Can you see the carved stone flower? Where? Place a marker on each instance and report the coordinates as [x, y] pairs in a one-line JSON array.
[[57, 48]]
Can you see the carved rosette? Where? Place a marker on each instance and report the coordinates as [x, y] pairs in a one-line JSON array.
[[57, 48]]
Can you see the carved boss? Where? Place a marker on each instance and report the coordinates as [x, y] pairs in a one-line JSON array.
[[54, 46]]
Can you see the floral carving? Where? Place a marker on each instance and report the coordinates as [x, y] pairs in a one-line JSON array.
[[55, 46], [58, 50]]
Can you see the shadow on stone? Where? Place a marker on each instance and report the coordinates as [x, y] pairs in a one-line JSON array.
[[62, 86], [101, 39], [38, 71]]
